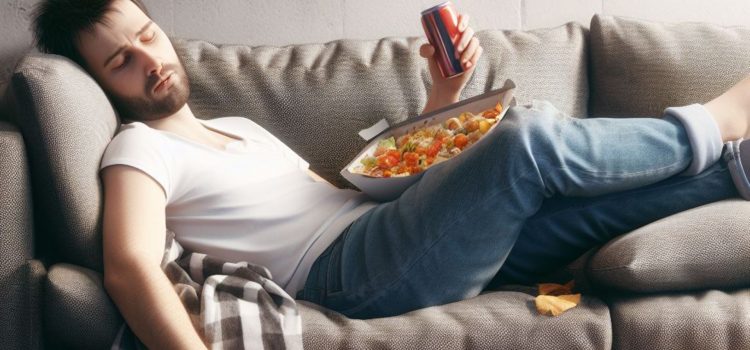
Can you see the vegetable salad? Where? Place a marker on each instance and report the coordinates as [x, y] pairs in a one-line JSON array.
[[423, 147]]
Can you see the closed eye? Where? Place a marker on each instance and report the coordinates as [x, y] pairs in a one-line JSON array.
[[125, 61], [149, 37]]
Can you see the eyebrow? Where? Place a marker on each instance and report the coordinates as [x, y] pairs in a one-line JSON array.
[[123, 47]]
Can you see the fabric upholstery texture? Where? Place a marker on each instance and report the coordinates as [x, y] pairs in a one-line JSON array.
[[495, 320], [67, 121], [709, 319], [36, 275], [16, 242], [316, 97], [682, 252], [79, 313], [638, 68]]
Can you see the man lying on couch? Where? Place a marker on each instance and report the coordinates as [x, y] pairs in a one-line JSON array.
[[229, 188]]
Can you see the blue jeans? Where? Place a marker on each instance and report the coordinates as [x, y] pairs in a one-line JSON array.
[[541, 189]]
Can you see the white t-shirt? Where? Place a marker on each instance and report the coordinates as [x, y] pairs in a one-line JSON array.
[[253, 201]]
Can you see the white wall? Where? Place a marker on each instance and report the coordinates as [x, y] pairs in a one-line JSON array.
[[281, 22]]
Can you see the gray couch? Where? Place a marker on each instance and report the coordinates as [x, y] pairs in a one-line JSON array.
[[680, 283]]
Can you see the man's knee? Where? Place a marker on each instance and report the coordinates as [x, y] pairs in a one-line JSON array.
[[535, 121]]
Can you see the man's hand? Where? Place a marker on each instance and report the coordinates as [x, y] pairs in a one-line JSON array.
[[448, 90]]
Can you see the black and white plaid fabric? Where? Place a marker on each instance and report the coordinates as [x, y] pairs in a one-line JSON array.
[[232, 305]]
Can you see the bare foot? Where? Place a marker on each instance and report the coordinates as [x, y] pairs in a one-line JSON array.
[[731, 110]]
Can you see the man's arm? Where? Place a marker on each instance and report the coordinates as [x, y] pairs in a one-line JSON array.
[[448, 90], [134, 239], [437, 99]]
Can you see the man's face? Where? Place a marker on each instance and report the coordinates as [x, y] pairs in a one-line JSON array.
[[135, 63]]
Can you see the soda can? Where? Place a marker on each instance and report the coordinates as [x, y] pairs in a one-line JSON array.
[[440, 23]]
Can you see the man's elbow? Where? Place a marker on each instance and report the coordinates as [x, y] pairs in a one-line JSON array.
[[113, 281], [123, 276]]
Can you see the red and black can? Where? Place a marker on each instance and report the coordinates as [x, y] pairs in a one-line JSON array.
[[441, 26]]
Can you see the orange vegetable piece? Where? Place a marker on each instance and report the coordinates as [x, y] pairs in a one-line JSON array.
[[490, 114], [434, 148], [411, 158], [460, 141]]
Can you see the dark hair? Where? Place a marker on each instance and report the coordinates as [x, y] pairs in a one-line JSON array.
[[58, 23]]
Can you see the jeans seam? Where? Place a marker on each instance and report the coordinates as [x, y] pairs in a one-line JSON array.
[[619, 194], [608, 174], [620, 174]]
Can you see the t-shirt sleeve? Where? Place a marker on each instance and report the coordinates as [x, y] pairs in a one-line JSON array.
[[134, 147], [286, 150]]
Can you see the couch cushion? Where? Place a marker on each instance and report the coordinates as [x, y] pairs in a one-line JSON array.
[[80, 315], [638, 68], [494, 320], [316, 97], [702, 320], [66, 121], [681, 252]]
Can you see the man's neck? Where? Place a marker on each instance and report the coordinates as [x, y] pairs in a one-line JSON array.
[[185, 124], [180, 120]]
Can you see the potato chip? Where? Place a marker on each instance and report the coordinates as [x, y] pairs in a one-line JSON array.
[[556, 305], [573, 298], [554, 299]]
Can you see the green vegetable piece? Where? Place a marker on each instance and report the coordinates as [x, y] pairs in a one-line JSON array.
[[389, 143]]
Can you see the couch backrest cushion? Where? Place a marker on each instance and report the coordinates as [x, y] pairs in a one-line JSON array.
[[638, 68], [67, 121], [317, 97], [682, 252]]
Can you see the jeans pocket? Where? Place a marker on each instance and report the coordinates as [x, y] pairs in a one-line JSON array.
[[334, 285], [333, 275]]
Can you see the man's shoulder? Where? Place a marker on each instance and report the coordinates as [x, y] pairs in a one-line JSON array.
[[134, 129], [131, 138]]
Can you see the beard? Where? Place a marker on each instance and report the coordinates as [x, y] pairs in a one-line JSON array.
[[149, 107]]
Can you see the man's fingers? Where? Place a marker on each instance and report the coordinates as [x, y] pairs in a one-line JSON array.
[[467, 54], [475, 58], [464, 41], [463, 22], [426, 50]]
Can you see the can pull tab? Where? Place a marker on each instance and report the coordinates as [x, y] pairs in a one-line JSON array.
[[369, 133]]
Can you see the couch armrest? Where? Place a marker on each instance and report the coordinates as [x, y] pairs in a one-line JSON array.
[[17, 329], [78, 313], [707, 247]]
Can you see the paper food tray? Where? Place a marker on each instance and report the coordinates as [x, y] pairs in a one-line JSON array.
[[385, 189]]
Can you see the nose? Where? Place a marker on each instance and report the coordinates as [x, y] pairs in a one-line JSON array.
[[152, 63]]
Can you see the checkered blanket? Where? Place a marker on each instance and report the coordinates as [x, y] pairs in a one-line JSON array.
[[232, 305]]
